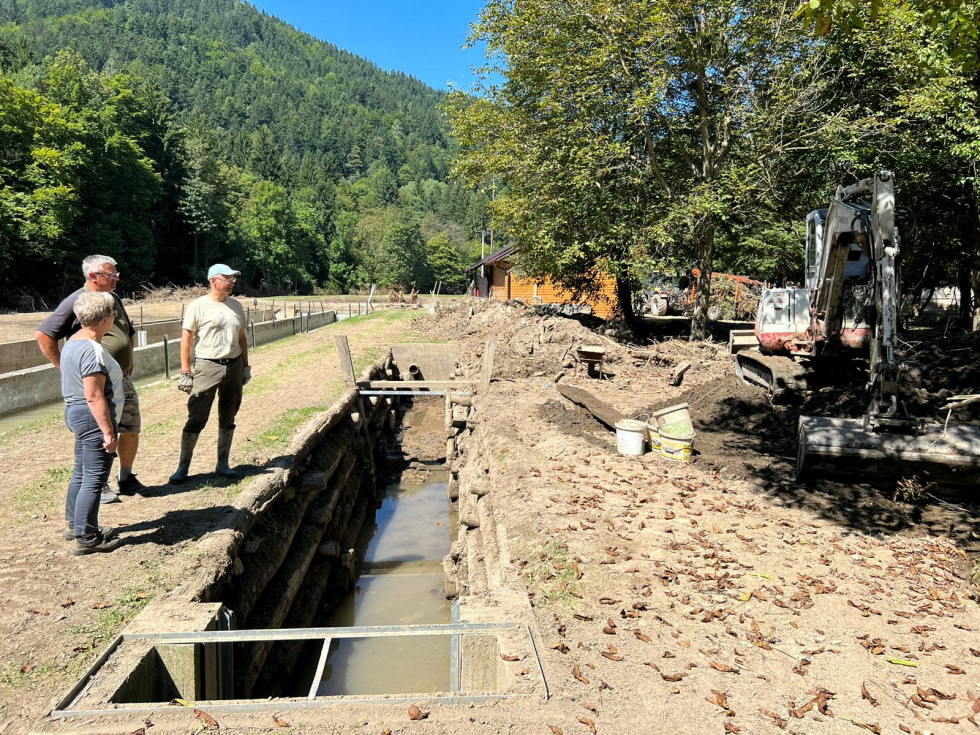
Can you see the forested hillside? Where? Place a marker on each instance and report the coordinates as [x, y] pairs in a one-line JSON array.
[[171, 134]]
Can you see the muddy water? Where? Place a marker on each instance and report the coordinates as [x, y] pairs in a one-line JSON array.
[[401, 583]]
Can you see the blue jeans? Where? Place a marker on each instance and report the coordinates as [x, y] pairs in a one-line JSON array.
[[92, 466]]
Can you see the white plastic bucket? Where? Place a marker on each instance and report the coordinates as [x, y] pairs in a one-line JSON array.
[[630, 437], [678, 418]]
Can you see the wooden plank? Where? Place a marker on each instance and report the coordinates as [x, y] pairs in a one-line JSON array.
[[487, 372], [601, 410], [343, 352], [677, 374]]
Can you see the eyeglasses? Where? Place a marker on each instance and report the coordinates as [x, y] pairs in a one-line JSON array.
[[226, 279], [113, 276]]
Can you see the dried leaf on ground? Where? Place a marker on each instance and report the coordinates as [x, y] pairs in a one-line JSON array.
[[867, 695], [724, 668], [588, 723], [577, 673], [204, 717], [414, 713], [279, 721], [509, 657]]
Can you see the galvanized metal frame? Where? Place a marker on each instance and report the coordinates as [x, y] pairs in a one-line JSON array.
[[63, 709]]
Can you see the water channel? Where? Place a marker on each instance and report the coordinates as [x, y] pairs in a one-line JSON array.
[[400, 583]]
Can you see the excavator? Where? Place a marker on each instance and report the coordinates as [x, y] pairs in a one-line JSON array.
[[849, 305]]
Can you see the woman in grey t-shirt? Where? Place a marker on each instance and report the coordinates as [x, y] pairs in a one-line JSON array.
[[91, 383]]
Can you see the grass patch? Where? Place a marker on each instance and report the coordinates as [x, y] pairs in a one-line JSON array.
[[124, 608], [161, 427], [550, 578], [279, 436], [44, 497]]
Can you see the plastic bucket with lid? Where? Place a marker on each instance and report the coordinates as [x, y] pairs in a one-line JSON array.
[[677, 447], [630, 437], [677, 418]]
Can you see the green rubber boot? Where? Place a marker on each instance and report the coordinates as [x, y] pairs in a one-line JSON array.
[[224, 449], [187, 443]]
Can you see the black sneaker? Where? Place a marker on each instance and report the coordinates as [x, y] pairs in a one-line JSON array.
[[70, 531], [130, 486], [95, 545], [108, 496]]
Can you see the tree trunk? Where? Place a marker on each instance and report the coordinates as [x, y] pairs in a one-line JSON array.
[[963, 282], [974, 280], [624, 293], [704, 244]]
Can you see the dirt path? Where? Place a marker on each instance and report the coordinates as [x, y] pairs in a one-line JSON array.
[[59, 610]]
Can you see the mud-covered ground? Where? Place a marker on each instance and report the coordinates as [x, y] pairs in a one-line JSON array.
[[724, 596]]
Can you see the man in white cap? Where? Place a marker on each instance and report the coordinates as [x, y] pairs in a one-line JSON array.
[[220, 367]]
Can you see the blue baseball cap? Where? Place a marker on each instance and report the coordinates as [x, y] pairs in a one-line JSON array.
[[220, 269]]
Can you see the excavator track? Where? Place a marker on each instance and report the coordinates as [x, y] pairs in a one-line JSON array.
[[782, 377]]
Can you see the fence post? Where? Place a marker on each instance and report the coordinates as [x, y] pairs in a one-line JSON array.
[[166, 356], [251, 326]]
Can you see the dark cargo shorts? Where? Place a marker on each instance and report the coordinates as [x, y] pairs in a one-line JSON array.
[[130, 422]]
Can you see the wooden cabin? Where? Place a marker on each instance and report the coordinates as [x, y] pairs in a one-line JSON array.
[[500, 282]]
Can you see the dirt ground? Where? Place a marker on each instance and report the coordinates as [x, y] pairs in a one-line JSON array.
[[723, 596], [59, 610]]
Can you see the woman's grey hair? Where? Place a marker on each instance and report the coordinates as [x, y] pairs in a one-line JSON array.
[[95, 264], [92, 307]]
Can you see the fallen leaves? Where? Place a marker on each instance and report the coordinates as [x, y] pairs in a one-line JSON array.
[[589, 723], [415, 714], [205, 718], [867, 695], [509, 657], [724, 668], [577, 673], [819, 701], [954, 670], [279, 722]]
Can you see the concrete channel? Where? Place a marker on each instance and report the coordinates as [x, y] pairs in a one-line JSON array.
[[334, 580], [38, 387]]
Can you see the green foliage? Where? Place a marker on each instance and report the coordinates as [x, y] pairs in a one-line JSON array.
[[173, 135], [446, 263], [627, 133]]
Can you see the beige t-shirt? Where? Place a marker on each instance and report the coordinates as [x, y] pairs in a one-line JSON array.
[[217, 324]]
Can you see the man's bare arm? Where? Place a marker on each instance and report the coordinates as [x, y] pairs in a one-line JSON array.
[[49, 346]]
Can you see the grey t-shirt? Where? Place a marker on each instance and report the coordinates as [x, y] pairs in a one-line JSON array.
[[63, 324], [81, 358]]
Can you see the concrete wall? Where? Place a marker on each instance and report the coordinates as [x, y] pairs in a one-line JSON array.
[[26, 353], [435, 361], [37, 385]]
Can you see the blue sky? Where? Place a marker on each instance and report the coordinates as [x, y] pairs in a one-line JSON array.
[[423, 39]]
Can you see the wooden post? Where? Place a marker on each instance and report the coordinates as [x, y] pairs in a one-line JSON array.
[[487, 371], [346, 363]]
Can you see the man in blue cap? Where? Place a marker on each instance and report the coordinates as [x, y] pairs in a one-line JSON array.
[[220, 367]]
